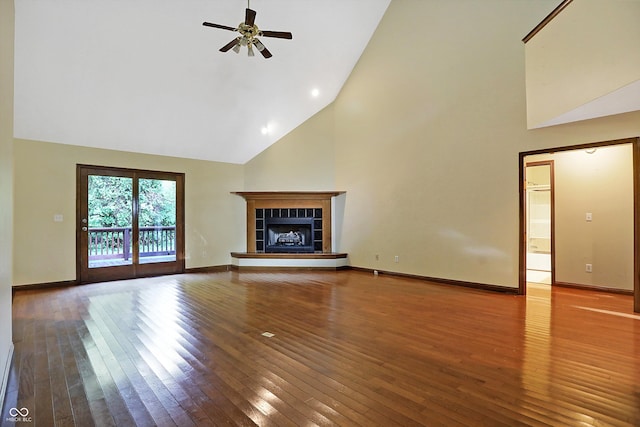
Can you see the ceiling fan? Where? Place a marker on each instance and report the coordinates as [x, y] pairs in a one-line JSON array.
[[249, 33]]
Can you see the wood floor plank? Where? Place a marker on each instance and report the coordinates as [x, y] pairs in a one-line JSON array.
[[349, 348]]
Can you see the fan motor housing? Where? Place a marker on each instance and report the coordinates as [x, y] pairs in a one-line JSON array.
[[248, 31]]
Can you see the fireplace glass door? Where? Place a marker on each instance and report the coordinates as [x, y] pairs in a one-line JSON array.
[[289, 230]]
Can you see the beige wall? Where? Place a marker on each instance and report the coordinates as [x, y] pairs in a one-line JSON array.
[[45, 178], [602, 184], [427, 137], [301, 161], [587, 51], [6, 184]]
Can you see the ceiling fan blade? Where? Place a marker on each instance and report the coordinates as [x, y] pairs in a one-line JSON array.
[[262, 48], [277, 34], [250, 17], [229, 45], [224, 27]]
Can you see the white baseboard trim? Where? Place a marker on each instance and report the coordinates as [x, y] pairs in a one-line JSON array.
[[5, 377], [332, 263]]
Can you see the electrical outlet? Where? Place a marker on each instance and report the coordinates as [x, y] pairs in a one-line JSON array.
[[589, 268], [397, 258]]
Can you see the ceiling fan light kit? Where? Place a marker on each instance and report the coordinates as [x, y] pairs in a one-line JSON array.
[[249, 33]]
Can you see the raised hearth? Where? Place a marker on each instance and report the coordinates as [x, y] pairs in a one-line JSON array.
[[325, 261]]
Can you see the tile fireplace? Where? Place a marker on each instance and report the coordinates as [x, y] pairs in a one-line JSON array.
[[289, 222]]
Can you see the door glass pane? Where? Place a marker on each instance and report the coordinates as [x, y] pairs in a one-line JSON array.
[[110, 213], [157, 220]]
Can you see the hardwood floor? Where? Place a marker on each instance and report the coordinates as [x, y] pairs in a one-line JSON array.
[[349, 348]]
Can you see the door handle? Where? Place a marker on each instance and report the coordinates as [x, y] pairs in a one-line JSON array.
[[84, 228]]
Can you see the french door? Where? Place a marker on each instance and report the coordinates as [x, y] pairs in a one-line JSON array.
[[130, 223]]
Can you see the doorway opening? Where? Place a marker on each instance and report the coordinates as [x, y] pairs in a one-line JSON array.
[[539, 221], [594, 197]]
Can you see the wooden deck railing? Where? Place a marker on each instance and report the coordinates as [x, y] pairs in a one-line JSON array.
[[115, 242]]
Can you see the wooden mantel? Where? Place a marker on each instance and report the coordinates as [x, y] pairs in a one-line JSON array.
[[288, 195], [288, 199]]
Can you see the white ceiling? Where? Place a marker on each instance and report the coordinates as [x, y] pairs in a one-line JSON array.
[[146, 76]]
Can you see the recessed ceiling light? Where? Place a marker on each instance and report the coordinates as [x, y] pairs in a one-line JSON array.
[[315, 92], [269, 128]]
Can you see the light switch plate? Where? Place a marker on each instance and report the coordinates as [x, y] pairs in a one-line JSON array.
[[58, 218]]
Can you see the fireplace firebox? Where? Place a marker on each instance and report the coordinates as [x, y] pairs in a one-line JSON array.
[[289, 235], [289, 230]]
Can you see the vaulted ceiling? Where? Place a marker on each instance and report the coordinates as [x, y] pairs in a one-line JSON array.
[[146, 76]]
